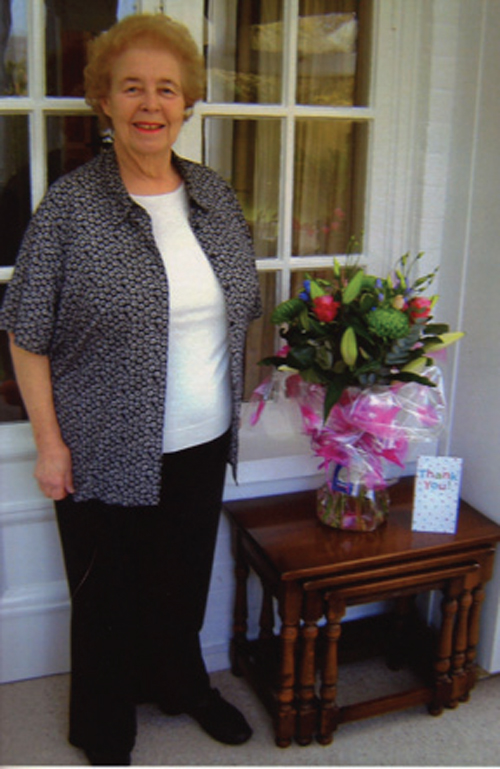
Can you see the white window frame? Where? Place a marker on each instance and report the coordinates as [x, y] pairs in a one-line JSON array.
[[394, 172], [392, 209]]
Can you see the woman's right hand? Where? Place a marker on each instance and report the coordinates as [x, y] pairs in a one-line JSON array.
[[53, 469], [53, 472]]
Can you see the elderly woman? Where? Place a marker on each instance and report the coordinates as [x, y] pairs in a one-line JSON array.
[[127, 314]]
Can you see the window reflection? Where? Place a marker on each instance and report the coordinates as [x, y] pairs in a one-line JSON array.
[[15, 207], [15, 211], [72, 140], [11, 405], [70, 25], [246, 153], [244, 50], [261, 336], [13, 48], [332, 56], [328, 185]]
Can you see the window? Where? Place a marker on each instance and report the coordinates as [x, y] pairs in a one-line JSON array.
[[286, 121]]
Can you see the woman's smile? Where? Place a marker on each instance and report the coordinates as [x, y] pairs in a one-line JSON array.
[[148, 126]]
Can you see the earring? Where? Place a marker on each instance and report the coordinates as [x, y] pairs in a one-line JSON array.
[[107, 137]]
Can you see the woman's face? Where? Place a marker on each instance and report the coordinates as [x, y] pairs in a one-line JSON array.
[[145, 103]]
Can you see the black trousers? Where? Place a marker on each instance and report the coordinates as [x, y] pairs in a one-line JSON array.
[[139, 580]]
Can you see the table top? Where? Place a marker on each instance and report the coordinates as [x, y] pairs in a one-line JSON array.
[[287, 532]]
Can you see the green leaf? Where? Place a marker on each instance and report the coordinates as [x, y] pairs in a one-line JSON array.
[[271, 360], [421, 281], [408, 376], [416, 366], [315, 289], [369, 367], [366, 303], [324, 357], [312, 375], [301, 357], [444, 340], [332, 395], [436, 329], [353, 288], [401, 277], [304, 319], [287, 311], [369, 281], [316, 327]]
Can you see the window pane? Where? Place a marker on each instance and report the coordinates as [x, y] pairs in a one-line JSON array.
[[333, 60], [71, 141], [246, 153], [69, 27], [15, 207], [261, 336], [329, 182], [13, 48], [244, 50]]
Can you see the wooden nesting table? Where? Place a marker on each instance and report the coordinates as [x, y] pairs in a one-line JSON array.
[[311, 574]]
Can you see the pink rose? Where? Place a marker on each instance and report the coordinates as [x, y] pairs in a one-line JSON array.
[[420, 308], [325, 308]]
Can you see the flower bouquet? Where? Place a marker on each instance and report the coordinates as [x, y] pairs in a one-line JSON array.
[[358, 360]]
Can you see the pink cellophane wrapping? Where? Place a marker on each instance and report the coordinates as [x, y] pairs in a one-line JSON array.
[[367, 428]]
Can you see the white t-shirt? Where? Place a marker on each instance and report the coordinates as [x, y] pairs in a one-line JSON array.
[[198, 393]]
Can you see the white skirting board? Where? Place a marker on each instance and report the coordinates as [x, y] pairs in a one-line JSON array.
[[34, 637], [34, 632]]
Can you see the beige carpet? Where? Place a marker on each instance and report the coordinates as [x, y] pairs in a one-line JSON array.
[[33, 732]]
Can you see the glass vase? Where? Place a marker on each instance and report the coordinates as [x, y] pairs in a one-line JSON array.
[[351, 506]]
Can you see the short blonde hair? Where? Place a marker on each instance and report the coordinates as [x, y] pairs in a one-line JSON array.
[[157, 29]]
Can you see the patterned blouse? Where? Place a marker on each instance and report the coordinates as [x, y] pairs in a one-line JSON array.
[[90, 291]]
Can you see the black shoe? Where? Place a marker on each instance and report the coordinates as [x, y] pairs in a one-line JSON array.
[[221, 720], [108, 757]]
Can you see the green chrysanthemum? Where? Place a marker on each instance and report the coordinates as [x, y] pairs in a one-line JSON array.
[[388, 323]]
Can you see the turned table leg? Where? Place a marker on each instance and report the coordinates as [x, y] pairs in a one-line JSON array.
[[458, 672], [307, 709], [442, 664], [478, 596], [289, 609], [328, 708]]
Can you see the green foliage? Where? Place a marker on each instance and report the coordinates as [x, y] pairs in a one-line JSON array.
[[287, 311], [358, 330]]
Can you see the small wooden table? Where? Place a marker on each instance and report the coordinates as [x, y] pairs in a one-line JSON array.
[[314, 573]]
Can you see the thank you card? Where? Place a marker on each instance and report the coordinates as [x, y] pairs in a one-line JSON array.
[[437, 494]]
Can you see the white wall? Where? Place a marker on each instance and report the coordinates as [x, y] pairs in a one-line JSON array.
[[470, 277]]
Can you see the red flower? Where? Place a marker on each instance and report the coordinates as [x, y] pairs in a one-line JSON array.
[[420, 308], [325, 308]]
